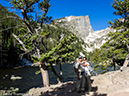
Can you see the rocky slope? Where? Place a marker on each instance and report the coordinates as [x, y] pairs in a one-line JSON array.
[[80, 26], [97, 38], [113, 83]]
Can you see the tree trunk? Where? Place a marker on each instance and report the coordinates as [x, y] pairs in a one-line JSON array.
[[126, 62], [1, 62], [45, 76], [57, 76], [114, 65]]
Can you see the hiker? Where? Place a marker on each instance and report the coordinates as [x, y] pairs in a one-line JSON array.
[[81, 80], [86, 65]]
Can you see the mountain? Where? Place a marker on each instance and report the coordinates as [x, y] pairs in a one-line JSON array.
[[81, 27], [97, 38]]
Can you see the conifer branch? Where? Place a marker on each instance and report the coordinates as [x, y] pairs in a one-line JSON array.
[[11, 28], [34, 1]]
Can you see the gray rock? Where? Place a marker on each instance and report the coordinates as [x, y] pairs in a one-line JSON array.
[[112, 82], [81, 27]]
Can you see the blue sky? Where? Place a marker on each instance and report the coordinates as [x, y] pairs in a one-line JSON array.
[[99, 11]]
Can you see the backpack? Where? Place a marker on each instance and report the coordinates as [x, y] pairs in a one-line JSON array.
[[75, 67]]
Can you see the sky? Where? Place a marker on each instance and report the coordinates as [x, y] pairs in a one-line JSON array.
[[99, 11]]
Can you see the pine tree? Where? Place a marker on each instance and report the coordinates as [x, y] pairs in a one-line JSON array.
[[32, 36], [117, 43], [9, 50]]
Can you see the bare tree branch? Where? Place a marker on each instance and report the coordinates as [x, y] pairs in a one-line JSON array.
[[27, 34], [43, 46], [21, 55], [35, 1], [30, 29], [19, 41]]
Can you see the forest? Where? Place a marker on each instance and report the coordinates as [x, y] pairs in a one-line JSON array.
[[35, 37]]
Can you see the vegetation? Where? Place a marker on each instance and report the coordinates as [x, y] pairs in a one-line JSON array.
[[117, 45], [12, 91], [9, 47], [37, 41], [34, 37]]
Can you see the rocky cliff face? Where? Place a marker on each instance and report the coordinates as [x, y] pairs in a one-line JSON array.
[[80, 26], [97, 38]]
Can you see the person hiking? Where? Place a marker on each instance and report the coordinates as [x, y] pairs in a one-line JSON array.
[[83, 75], [81, 80], [86, 65]]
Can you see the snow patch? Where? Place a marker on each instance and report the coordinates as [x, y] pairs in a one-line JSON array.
[[69, 18]]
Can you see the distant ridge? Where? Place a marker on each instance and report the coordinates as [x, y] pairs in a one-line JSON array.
[[81, 27]]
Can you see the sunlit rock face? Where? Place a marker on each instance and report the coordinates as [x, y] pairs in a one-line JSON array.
[[97, 38], [81, 27]]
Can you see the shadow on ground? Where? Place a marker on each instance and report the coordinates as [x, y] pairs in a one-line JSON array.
[[69, 90]]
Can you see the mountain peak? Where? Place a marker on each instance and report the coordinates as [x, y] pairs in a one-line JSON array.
[[75, 17], [80, 25]]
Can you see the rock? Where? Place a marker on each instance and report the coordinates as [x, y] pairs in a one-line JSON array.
[[15, 78], [113, 83], [55, 89], [97, 38], [81, 27]]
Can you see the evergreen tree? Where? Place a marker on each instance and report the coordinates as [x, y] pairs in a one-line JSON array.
[[32, 36], [9, 49], [117, 43]]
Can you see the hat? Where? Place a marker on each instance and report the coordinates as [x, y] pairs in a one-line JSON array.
[[80, 57]]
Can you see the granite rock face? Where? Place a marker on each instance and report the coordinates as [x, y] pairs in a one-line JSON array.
[[81, 27], [97, 38], [113, 83]]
